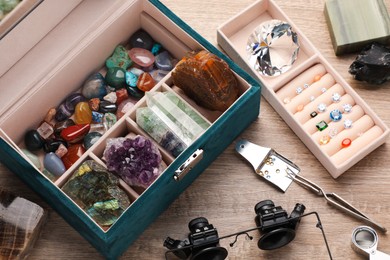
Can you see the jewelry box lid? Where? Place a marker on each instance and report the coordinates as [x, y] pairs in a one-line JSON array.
[[31, 56], [23, 27]]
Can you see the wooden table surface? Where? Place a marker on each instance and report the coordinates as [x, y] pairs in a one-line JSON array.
[[228, 190]]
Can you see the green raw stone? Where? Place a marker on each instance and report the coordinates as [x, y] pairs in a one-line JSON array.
[[120, 58], [355, 23], [322, 125], [97, 192]]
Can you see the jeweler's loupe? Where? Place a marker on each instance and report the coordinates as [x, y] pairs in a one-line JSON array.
[[365, 242]]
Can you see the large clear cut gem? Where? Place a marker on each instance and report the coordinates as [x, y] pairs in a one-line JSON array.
[[272, 48]]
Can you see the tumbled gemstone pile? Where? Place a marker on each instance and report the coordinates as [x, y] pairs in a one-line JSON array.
[[83, 117]]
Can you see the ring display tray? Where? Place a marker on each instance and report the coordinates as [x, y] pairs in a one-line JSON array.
[[323, 110], [92, 31]]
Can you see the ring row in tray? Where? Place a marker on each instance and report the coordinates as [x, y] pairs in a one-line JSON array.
[[328, 114]]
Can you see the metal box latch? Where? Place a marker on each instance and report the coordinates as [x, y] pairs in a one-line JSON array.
[[188, 165]]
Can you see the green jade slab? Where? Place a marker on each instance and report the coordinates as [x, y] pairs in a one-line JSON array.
[[355, 23]]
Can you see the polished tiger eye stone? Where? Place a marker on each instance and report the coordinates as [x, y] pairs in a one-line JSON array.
[[75, 133], [145, 82], [116, 77], [33, 140], [82, 113], [21, 222], [207, 80], [75, 151]]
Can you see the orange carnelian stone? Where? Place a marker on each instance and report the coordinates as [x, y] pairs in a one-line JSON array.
[[145, 82]]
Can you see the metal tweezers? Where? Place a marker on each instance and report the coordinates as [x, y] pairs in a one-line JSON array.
[[333, 199]]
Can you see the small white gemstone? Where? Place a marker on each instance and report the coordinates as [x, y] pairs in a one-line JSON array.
[[299, 90], [321, 107], [336, 97], [312, 98], [347, 108], [306, 85], [333, 132], [347, 123], [323, 90]]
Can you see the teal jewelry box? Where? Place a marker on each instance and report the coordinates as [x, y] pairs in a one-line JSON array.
[[59, 64]]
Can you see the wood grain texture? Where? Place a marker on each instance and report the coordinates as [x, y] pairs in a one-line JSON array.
[[228, 190]]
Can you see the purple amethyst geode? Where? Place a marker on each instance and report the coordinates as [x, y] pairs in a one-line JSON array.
[[137, 161]]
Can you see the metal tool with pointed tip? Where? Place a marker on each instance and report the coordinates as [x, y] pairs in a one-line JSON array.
[[334, 200], [267, 163]]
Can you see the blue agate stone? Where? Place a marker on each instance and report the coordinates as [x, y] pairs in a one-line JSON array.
[[94, 86], [54, 164], [97, 117], [91, 138], [163, 61], [33, 140], [131, 79], [141, 39]]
